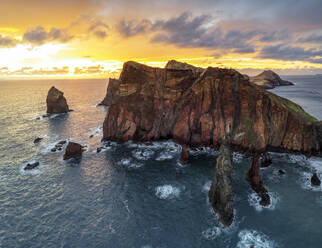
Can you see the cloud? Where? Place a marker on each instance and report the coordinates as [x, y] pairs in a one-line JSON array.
[[89, 70], [285, 52], [31, 71], [7, 41], [98, 28], [133, 28], [38, 35], [313, 38]]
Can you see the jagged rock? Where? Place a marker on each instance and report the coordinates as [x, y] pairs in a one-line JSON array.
[[37, 140], [99, 149], [193, 107], [53, 150], [184, 155], [176, 65], [266, 160], [221, 191], [73, 150], [112, 92], [315, 181], [269, 79], [62, 142], [256, 183], [56, 102], [31, 166]]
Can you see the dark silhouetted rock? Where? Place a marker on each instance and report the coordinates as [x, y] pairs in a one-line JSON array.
[[221, 191], [256, 183], [269, 79], [193, 107], [184, 155], [53, 150], [315, 181], [91, 136], [266, 160], [37, 140], [56, 102], [99, 149], [31, 166], [62, 142], [281, 172], [112, 92], [73, 150]]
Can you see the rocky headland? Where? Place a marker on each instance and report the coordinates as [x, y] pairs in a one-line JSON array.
[[194, 107], [269, 80]]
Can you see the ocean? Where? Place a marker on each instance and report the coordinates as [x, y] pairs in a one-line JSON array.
[[132, 195]]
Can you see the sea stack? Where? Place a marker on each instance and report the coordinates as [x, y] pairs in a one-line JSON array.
[[269, 79], [56, 102], [112, 92], [221, 191]]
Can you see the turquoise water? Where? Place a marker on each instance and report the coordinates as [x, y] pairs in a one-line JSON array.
[[120, 198]]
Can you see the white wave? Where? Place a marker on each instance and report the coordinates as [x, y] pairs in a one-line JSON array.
[[249, 238], [297, 159], [206, 186], [254, 201], [316, 164], [164, 156], [129, 163], [143, 154], [167, 192], [97, 131], [237, 157], [156, 145], [202, 151], [212, 232]]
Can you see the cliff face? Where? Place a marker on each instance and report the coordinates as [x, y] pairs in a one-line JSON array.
[[194, 106], [269, 79], [112, 93], [56, 102]]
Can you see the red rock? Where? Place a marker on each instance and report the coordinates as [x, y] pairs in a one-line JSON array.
[[194, 106], [73, 150], [56, 102], [184, 155], [256, 183]]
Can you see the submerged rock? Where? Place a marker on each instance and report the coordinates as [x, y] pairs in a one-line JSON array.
[[56, 102], [281, 172], [315, 181], [37, 140], [31, 166], [221, 191], [192, 107], [256, 183], [269, 79], [112, 92], [73, 150]]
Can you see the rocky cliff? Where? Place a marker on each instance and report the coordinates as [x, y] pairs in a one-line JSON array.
[[112, 93], [56, 102], [193, 106], [269, 79]]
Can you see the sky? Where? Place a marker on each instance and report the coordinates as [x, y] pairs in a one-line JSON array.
[[93, 38]]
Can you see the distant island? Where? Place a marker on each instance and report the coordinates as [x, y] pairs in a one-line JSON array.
[[269, 80]]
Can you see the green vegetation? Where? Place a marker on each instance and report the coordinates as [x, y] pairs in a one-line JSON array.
[[293, 107]]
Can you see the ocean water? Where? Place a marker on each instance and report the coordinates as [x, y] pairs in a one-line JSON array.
[[133, 195]]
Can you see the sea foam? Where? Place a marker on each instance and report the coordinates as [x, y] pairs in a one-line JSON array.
[[249, 238], [254, 201], [167, 192]]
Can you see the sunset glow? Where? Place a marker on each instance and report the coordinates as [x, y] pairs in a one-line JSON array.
[[92, 39]]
